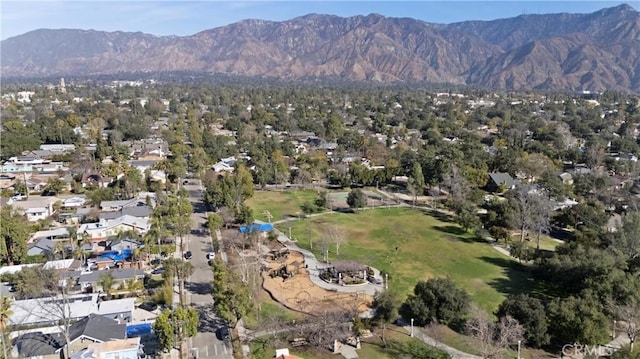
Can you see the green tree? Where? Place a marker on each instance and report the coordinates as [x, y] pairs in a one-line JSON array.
[[214, 222], [20, 188], [5, 313], [54, 185], [181, 269], [231, 297], [626, 240], [415, 183], [531, 314], [521, 251], [385, 306], [437, 298], [334, 127], [577, 320], [356, 199], [174, 326], [244, 215], [106, 283], [13, 236], [34, 282]]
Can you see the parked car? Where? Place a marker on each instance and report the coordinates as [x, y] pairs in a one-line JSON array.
[[158, 270], [188, 255], [156, 262], [211, 255], [223, 333], [148, 306]]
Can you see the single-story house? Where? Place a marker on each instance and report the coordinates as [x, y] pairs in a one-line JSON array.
[[73, 202], [566, 178], [49, 310], [15, 268], [91, 280], [143, 211], [38, 345], [62, 264], [37, 203], [499, 181], [114, 206], [95, 179], [105, 229], [43, 246], [94, 328], [60, 233], [37, 213], [124, 243], [121, 349]]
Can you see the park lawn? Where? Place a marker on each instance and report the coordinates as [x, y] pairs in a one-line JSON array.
[[413, 246], [266, 307], [371, 348], [281, 205], [546, 243]]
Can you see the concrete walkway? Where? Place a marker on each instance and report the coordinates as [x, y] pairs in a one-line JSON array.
[[455, 353]]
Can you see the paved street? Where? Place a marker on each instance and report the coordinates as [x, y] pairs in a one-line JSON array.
[[204, 344]]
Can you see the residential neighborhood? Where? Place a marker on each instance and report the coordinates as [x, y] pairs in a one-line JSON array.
[[204, 223]]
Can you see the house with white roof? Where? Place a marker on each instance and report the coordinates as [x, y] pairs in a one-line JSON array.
[[36, 214], [110, 228], [73, 202], [225, 165], [48, 311]]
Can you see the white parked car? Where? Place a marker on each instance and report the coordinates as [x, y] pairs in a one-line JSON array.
[[211, 255]]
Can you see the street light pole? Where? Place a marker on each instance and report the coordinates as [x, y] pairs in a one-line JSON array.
[[412, 327], [519, 342]]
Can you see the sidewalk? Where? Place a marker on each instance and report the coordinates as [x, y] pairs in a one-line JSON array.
[[455, 353]]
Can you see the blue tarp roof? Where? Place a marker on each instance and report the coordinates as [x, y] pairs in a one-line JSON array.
[[264, 227], [136, 330]]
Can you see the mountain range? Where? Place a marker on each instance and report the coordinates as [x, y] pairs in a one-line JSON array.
[[595, 51]]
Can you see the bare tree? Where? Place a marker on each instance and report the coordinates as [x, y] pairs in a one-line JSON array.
[[55, 309], [540, 219], [629, 314], [457, 184], [335, 236], [523, 197], [323, 329], [494, 337], [323, 247]]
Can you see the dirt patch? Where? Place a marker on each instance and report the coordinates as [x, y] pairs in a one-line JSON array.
[[298, 293]]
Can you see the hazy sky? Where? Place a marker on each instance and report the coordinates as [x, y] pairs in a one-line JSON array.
[[190, 17]]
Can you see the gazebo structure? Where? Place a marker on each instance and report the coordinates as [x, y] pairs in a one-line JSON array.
[[345, 273]]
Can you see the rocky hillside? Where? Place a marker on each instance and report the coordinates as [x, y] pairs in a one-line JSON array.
[[594, 51]]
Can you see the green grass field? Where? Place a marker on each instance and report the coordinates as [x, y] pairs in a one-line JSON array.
[[371, 348], [266, 308], [281, 205], [546, 243], [413, 246]]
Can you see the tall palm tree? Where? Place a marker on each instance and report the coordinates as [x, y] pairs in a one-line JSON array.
[[85, 240]]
